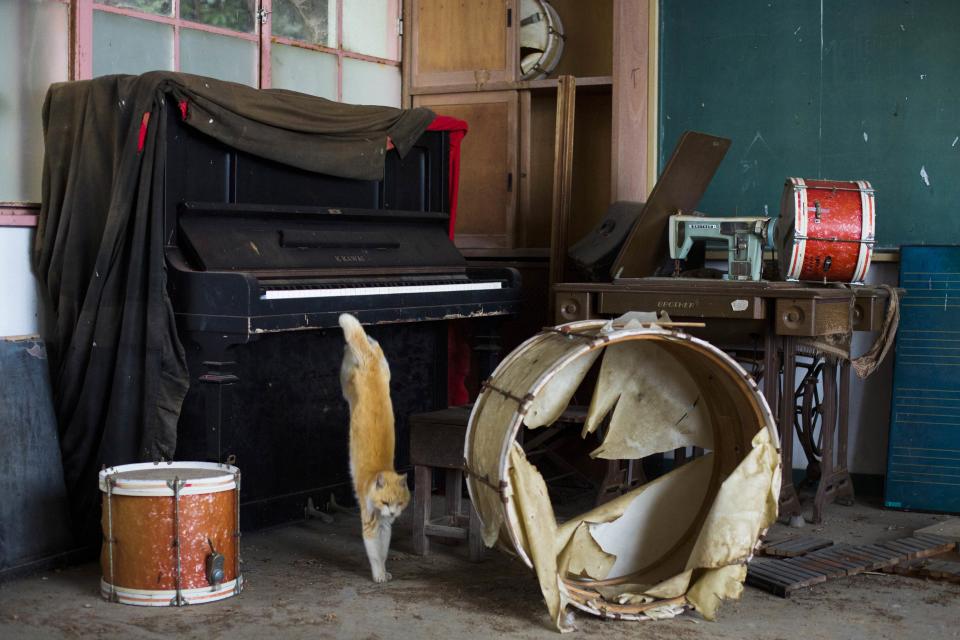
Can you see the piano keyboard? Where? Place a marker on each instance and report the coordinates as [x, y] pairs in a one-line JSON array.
[[345, 291]]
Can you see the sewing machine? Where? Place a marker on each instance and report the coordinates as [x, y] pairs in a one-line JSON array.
[[745, 238]]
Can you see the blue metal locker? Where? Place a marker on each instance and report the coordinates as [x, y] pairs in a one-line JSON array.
[[923, 461]]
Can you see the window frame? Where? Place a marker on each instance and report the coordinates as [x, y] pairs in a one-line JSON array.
[[81, 40]]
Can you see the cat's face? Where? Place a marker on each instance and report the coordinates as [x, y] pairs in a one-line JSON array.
[[390, 494]]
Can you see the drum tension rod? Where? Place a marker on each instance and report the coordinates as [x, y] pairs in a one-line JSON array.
[[485, 479], [176, 484], [111, 541], [524, 402]]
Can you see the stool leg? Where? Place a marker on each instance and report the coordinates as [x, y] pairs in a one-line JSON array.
[[453, 489], [474, 537], [422, 490]]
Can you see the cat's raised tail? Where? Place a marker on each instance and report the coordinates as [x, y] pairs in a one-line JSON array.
[[354, 334]]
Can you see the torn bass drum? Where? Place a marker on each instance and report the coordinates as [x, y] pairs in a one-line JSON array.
[[679, 541]]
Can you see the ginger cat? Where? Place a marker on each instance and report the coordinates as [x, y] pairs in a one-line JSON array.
[[381, 492]]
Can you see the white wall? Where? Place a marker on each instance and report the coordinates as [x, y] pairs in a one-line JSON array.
[[18, 290], [869, 423]]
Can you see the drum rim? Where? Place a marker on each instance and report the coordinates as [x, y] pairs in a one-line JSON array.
[[554, 45], [149, 487], [165, 597], [602, 340]]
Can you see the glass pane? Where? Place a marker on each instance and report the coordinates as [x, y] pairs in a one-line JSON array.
[[33, 54], [222, 57], [370, 83], [304, 70], [313, 21], [129, 45], [368, 28], [228, 14], [161, 7]]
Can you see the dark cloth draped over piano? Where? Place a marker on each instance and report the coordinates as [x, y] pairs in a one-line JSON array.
[[117, 367]]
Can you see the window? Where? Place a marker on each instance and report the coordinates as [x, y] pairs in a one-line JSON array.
[[33, 54], [346, 50]]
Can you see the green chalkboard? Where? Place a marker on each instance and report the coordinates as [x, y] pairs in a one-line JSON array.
[[836, 89]]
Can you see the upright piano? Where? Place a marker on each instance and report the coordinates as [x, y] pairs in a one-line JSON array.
[[261, 260]]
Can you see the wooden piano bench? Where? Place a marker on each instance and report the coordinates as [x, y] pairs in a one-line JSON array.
[[436, 442]]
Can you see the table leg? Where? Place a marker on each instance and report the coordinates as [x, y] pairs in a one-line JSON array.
[[475, 536], [422, 491], [789, 501], [771, 368], [453, 492], [834, 477]]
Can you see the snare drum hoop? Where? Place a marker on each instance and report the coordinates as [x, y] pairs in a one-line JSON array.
[[165, 597], [601, 340], [799, 203], [867, 231], [153, 487], [552, 49]]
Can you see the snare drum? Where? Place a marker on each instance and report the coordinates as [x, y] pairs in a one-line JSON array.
[[826, 230], [171, 533]]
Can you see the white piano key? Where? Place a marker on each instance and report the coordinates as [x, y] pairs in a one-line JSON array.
[[287, 294]]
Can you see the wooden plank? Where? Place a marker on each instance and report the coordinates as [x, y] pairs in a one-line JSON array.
[[949, 529], [945, 570], [562, 178], [445, 531], [633, 161], [797, 574], [778, 578], [422, 492], [767, 584], [794, 546], [813, 564]]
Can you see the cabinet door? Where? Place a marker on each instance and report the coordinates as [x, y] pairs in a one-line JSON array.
[[488, 165], [459, 42]]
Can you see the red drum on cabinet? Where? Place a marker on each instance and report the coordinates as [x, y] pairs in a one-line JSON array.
[[826, 230]]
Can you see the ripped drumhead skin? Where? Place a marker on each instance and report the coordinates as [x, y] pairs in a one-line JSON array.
[[679, 541]]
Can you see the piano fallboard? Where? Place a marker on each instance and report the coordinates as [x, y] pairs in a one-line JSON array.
[[264, 238]]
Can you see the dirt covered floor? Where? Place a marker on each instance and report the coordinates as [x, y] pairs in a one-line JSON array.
[[311, 580]]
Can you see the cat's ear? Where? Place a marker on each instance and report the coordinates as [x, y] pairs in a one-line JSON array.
[[402, 479], [381, 481]]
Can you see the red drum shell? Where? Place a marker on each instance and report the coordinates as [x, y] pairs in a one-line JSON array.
[[142, 520], [826, 230]]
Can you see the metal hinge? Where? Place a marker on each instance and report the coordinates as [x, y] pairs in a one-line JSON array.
[[400, 26], [262, 15]]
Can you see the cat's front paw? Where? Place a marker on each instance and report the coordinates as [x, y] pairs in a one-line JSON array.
[[382, 576]]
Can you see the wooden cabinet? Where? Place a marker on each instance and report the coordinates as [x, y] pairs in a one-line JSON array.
[[462, 42], [488, 159], [461, 60]]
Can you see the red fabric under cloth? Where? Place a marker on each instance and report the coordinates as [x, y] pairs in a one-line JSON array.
[[457, 129], [458, 344]]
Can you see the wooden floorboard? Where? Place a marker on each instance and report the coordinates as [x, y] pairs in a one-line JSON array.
[[784, 574]]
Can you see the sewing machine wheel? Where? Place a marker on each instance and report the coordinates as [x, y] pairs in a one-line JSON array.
[[808, 416]]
